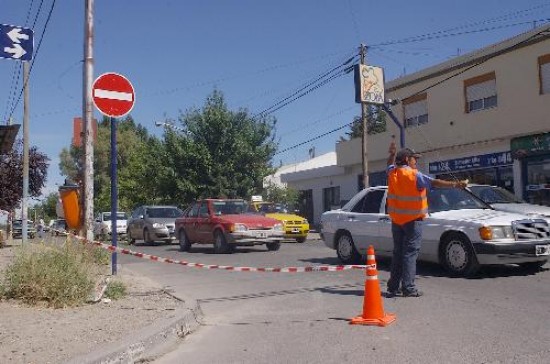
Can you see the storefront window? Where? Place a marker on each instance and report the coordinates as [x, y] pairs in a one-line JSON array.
[[537, 188], [498, 176]]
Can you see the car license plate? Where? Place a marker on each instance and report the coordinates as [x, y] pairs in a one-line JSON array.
[[296, 230], [261, 235], [542, 250]]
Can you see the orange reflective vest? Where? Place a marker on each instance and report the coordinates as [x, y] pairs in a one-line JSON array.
[[405, 202]]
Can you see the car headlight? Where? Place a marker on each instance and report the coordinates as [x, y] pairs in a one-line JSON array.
[[304, 221], [238, 227], [496, 232], [158, 225], [278, 227]]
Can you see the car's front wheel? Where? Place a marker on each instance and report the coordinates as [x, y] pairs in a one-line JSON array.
[[129, 237], [301, 240], [147, 236], [345, 249], [458, 256], [220, 243], [273, 246], [185, 244]]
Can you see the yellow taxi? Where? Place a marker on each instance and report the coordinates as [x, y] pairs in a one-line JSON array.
[[295, 227]]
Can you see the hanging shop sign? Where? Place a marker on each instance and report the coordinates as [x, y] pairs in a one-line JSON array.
[[530, 145]]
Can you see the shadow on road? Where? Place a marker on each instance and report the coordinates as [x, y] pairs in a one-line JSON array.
[[335, 289], [426, 269]]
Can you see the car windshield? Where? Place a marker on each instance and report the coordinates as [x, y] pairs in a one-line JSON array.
[[267, 208], [160, 212], [19, 223], [445, 199], [492, 194], [230, 207], [119, 216]]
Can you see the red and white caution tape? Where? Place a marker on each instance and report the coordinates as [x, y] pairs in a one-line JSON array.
[[313, 268]]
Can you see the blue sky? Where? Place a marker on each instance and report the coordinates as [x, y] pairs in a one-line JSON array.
[[256, 52]]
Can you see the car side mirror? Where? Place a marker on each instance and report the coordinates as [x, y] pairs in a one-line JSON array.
[[140, 216]]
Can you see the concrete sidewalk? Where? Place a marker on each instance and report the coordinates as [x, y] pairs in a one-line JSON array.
[[151, 342], [158, 334]]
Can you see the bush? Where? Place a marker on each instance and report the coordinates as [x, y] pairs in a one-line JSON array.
[[58, 276], [115, 290]]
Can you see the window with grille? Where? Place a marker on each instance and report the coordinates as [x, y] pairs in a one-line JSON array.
[[481, 92], [415, 110], [331, 198], [544, 74]]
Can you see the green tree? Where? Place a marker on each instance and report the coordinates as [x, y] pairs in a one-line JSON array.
[[47, 206], [221, 152], [376, 123], [137, 160], [11, 175], [286, 195]]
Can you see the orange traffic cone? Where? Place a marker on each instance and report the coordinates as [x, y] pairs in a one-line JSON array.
[[373, 310]]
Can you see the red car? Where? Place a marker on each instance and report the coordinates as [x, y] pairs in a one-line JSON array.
[[225, 223]]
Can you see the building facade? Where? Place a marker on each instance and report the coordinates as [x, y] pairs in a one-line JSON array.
[[484, 116]]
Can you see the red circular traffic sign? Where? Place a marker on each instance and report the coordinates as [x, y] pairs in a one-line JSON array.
[[113, 94]]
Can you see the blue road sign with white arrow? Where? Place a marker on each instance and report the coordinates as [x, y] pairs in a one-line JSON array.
[[16, 42]]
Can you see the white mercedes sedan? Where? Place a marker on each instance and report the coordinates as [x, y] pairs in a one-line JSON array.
[[460, 232], [502, 199]]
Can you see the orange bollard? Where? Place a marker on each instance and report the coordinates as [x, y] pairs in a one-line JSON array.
[[373, 308], [71, 206]]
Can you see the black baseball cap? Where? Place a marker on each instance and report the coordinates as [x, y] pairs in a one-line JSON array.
[[405, 153]]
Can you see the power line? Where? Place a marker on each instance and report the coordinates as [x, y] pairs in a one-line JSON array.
[[17, 65], [485, 59], [438, 36], [314, 138], [542, 32], [309, 87], [35, 55]]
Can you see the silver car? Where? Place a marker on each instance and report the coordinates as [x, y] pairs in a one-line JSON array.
[[153, 223]]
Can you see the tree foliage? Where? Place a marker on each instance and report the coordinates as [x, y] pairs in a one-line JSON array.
[[376, 123], [221, 153], [11, 175], [47, 206], [285, 195]]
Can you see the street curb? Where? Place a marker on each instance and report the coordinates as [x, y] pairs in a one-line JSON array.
[[151, 342]]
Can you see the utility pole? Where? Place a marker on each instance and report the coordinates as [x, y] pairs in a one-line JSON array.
[[364, 112], [88, 180], [24, 202]]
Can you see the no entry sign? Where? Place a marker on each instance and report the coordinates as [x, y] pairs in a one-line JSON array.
[[113, 94]]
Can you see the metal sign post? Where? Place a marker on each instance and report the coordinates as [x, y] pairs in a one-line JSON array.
[[18, 43], [114, 194], [114, 96]]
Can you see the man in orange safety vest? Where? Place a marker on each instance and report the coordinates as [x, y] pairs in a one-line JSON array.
[[407, 207]]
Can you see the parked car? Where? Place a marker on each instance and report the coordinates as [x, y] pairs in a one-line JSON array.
[[58, 227], [225, 223], [153, 223], [504, 200], [17, 229], [460, 232], [102, 224], [295, 227]]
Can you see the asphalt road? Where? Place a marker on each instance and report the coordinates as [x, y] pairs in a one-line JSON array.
[[502, 316]]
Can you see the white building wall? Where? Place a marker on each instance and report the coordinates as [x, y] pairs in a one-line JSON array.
[[451, 132]]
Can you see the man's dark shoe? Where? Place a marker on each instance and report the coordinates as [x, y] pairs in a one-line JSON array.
[[392, 293], [413, 294]]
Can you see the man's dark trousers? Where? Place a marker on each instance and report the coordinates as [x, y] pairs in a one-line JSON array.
[[406, 246]]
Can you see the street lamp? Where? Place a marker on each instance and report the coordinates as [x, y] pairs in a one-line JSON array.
[[171, 126]]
